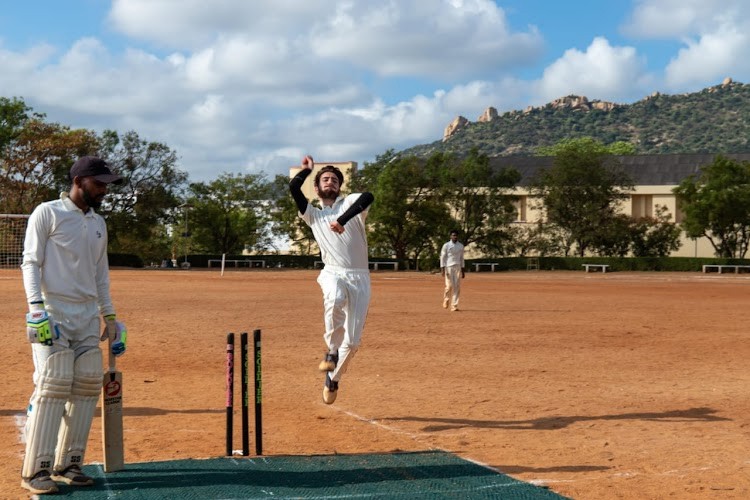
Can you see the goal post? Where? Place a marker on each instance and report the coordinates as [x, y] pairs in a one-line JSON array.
[[12, 233]]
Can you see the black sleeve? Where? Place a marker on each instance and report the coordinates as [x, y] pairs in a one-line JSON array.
[[295, 186], [359, 206]]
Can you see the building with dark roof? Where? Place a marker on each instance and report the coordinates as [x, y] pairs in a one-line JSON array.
[[654, 177], [645, 170]]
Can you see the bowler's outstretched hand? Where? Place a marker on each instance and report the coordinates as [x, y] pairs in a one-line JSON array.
[[336, 227]]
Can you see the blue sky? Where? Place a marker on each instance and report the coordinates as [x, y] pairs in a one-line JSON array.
[[250, 86]]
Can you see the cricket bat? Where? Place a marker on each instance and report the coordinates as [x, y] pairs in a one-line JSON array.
[[112, 442]]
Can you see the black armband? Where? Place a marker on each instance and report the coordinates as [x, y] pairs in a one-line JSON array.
[[359, 206], [295, 186]]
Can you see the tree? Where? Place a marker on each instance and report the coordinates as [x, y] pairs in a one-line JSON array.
[[655, 236], [229, 214], [140, 210], [716, 204], [284, 217], [35, 156], [408, 211], [613, 236], [580, 193], [14, 113], [480, 201], [588, 143]]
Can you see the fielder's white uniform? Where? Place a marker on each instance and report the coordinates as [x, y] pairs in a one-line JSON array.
[[65, 266], [452, 260], [345, 278]]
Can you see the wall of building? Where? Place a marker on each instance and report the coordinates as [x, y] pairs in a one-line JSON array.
[[641, 202]]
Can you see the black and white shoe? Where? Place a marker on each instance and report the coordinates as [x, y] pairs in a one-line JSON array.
[[74, 476], [330, 390], [329, 362], [40, 484]]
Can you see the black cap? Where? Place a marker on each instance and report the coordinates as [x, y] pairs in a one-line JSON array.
[[91, 166]]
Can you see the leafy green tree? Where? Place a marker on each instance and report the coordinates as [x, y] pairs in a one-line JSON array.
[[35, 163], [613, 237], [655, 236], [34, 155], [14, 113], [716, 204], [408, 210], [479, 201], [581, 192], [141, 209], [587, 143], [229, 214], [285, 221]]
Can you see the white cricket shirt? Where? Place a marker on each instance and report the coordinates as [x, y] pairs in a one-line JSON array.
[[65, 255], [452, 254], [348, 249]]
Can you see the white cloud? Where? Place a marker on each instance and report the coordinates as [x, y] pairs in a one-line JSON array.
[[712, 34], [253, 85], [675, 19], [193, 24], [711, 58], [601, 71], [441, 40]]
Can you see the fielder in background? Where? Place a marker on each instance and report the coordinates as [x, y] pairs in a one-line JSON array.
[[452, 269], [339, 230], [66, 278]]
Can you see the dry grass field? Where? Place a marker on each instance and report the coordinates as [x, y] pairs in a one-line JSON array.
[[617, 385]]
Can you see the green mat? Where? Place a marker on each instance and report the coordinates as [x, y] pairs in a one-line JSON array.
[[400, 475]]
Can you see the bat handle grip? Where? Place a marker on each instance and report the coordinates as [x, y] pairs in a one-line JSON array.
[[111, 357]]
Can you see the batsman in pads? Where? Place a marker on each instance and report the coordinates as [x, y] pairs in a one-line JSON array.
[[339, 230], [66, 278]]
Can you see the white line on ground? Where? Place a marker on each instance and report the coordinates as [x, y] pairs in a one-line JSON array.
[[415, 437], [20, 420], [419, 437]]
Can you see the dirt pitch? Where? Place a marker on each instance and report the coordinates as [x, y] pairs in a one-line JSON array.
[[618, 385]]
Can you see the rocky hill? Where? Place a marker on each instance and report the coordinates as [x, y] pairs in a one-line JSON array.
[[714, 120]]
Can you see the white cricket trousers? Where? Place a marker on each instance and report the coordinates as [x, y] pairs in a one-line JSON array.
[[452, 285], [346, 299]]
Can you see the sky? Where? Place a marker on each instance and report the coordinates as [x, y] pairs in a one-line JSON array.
[[250, 86]]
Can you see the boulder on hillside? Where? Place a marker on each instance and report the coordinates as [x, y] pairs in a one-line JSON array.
[[457, 124], [488, 115]]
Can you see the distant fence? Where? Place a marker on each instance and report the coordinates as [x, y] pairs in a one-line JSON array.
[[271, 261]]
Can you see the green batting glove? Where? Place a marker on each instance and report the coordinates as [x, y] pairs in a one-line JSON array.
[[117, 332], [39, 327]]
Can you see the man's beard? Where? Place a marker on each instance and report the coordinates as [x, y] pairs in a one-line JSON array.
[[91, 201], [328, 194]]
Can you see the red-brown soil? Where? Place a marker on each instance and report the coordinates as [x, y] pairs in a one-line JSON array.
[[617, 385]]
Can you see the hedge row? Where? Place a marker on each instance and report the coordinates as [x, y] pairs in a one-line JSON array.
[[504, 264]]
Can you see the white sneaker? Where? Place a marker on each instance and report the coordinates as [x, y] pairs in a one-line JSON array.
[[40, 484]]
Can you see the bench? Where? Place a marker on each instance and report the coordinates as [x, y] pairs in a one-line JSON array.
[[720, 268], [376, 264], [594, 267], [238, 262], [492, 265]]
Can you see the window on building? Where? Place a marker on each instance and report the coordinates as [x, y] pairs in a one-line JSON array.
[[642, 206], [520, 202]]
